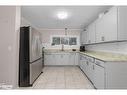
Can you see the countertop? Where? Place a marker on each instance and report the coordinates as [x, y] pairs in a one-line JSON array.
[[60, 51], [104, 56]]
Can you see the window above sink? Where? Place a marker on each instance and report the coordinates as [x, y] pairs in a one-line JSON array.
[[67, 40]]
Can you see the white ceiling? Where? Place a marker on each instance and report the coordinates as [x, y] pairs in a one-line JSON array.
[[45, 16]]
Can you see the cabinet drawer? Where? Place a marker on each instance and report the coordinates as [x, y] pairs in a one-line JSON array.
[[99, 62], [90, 59], [85, 57]]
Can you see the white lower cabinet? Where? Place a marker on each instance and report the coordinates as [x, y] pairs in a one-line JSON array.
[[99, 74], [62, 58], [104, 74], [49, 59], [91, 72], [81, 62], [71, 59], [99, 77], [89, 68], [84, 65], [77, 59], [116, 75], [94, 69]]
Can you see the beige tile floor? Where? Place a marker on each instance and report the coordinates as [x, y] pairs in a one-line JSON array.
[[62, 78]]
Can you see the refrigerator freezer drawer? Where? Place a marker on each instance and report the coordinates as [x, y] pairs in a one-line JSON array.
[[35, 70]]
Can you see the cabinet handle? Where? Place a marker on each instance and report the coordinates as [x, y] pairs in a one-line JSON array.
[[89, 41], [87, 63], [102, 38], [93, 67]]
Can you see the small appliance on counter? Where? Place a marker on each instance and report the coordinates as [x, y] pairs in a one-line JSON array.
[[73, 49], [82, 48]]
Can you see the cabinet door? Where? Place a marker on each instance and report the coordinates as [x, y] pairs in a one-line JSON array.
[[58, 59], [83, 37], [49, 59], [99, 77], [65, 59], [91, 33], [99, 30], [76, 59], [86, 70], [122, 23], [81, 62], [91, 71], [110, 25], [84, 65], [71, 59], [106, 26]]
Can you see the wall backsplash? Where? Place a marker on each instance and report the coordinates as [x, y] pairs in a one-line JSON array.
[[117, 47]]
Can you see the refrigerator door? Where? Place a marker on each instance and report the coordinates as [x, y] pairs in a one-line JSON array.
[[35, 70], [34, 45]]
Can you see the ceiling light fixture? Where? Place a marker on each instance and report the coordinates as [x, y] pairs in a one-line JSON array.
[[62, 15]]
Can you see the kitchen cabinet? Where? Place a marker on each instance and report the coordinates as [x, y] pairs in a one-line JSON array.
[[99, 30], [122, 23], [109, 27], [86, 64], [99, 75], [49, 59], [72, 59], [87, 67], [104, 74], [91, 33], [106, 26], [81, 62], [90, 69], [61, 58], [84, 37], [94, 69], [64, 59], [116, 75], [76, 59]]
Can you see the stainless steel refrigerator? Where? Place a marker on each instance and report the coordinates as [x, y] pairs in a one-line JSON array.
[[30, 56]]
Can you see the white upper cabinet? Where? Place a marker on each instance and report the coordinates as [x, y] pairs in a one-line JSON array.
[[91, 33], [83, 37], [122, 23], [106, 26], [99, 32], [110, 26]]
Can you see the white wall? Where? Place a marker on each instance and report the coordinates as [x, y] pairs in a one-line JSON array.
[[25, 22], [117, 47], [9, 44], [48, 33]]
